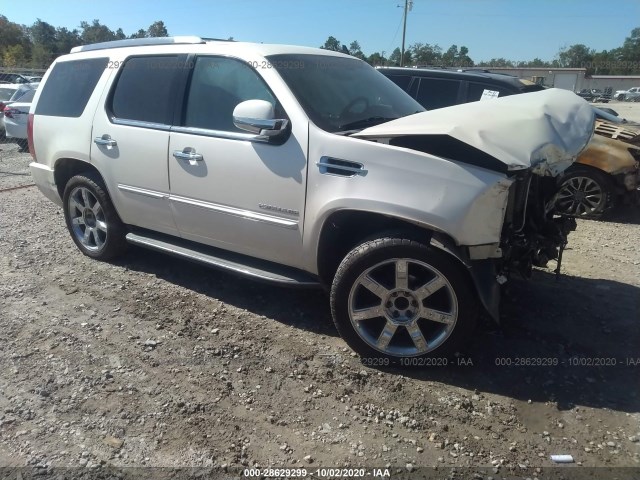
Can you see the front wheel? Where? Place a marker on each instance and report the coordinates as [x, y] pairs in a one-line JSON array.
[[397, 298], [91, 218], [584, 193]]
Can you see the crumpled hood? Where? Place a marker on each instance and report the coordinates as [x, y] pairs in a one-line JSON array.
[[543, 130]]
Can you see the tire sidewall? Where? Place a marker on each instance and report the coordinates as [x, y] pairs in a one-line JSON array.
[[114, 240], [368, 255]]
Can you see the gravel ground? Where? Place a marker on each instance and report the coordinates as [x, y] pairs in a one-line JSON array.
[[149, 361]]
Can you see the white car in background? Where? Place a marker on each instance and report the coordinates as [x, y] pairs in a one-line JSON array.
[[631, 95], [16, 115], [9, 93]]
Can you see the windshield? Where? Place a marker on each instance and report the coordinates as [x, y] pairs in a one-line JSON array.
[[343, 94]]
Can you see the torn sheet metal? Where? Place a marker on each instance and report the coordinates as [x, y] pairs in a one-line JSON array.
[[543, 130], [609, 155]]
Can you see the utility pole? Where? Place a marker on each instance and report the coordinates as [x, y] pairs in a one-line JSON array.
[[408, 4]]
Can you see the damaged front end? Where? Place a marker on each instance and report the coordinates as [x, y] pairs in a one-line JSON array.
[[530, 139], [532, 233]]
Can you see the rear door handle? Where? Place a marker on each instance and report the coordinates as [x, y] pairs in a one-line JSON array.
[[189, 154], [105, 140]]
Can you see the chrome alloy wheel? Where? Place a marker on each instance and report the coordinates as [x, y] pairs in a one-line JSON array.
[[403, 307], [87, 218], [581, 196]]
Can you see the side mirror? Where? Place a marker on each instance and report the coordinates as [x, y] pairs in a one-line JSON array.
[[256, 116]]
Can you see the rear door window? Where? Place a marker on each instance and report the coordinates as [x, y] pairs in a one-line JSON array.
[[438, 93], [145, 90], [69, 87]]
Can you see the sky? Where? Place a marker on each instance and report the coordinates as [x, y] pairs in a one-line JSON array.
[[517, 30]]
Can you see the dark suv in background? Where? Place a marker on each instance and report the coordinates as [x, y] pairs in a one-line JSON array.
[[606, 173], [438, 88]]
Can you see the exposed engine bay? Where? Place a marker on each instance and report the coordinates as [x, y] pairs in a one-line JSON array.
[[533, 233]]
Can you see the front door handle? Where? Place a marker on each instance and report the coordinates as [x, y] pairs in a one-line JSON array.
[[105, 140], [188, 154]]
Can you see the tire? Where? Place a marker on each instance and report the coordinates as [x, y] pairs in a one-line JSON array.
[[91, 219], [23, 145], [390, 326], [584, 193]]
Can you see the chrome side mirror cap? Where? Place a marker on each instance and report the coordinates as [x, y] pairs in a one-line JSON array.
[[256, 116]]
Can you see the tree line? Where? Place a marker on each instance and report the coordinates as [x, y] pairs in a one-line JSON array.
[[624, 60], [36, 46]]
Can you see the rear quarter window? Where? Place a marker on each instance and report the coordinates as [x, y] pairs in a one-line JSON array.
[[69, 87]]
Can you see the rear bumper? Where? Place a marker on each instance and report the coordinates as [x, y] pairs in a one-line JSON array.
[[44, 179]]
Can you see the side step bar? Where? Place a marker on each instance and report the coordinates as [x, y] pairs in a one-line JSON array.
[[221, 259]]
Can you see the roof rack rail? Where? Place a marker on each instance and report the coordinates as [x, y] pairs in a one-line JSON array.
[[138, 42]]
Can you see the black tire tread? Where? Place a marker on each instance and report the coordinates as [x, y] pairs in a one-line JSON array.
[[116, 244]]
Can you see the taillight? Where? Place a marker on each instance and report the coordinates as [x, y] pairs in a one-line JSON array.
[[7, 112], [32, 150], [2, 105]]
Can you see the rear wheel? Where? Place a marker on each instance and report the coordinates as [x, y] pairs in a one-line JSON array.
[[398, 299], [92, 220], [584, 193]]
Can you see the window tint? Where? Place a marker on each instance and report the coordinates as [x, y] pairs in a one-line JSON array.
[[402, 81], [217, 86], [144, 89], [69, 87], [477, 89], [437, 93]]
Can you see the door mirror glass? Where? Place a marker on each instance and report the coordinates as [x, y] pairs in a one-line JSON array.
[[257, 116]]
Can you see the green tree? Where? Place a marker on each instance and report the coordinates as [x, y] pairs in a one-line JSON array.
[[356, 51], [66, 40], [464, 60], [450, 57], [423, 54], [95, 32], [535, 63], [14, 56], [142, 33], [575, 56], [629, 54], [376, 59], [333, 44], [157, 29], [496, 62]]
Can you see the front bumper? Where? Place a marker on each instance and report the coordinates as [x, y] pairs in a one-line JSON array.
[[44, 179]]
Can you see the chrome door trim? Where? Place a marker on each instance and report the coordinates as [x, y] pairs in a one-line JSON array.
[[139, 123], [247, 137], [237, 212], [142, 191]]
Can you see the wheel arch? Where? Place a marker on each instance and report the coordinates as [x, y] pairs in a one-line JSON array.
[[66, 168], [345, 229]]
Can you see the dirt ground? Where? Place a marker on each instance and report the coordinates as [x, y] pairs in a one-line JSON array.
[[150, 361]]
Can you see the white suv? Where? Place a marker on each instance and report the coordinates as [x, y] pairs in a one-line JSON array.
[[304, 167]]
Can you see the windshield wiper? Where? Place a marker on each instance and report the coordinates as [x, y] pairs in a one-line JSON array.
[[366, 122]]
